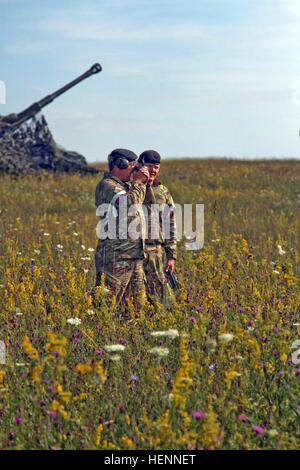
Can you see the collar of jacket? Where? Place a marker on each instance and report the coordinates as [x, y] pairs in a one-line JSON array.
[[156, 182], [108, 175]]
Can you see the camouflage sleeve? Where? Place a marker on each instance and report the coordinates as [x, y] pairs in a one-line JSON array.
[[170, 244], [107, 189], [136, 193]]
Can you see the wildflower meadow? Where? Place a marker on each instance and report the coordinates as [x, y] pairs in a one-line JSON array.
[[214, 372]]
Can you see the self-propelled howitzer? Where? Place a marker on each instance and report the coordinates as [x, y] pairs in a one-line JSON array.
[[14, 120]]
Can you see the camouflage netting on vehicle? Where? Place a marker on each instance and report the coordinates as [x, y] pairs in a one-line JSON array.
[[31, 147]]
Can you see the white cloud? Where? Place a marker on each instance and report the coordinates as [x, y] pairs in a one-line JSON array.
[[27, 48], [120, 30], [291, 6]]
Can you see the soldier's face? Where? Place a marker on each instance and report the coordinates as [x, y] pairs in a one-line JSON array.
[[153, 171]]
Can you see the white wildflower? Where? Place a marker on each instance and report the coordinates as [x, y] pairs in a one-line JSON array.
[[280, 250], [226, 337], [57, 222], [83, 247], [115, 357], [1, 285], [240, 358], [37, 251], [74, 321], [46, 234], [76, 234], [20, 364], [211, 344], [91, 312], [170, 397], [18, 312], [85, 270], [272, 432], [159, 351], [276, 272], [59, 247], [19, 253], [114, 348], [91, 249], [167, 333], [172, 333], [157, 333]]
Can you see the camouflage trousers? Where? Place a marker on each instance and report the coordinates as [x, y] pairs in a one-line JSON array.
[[125, 277], [157, 286]]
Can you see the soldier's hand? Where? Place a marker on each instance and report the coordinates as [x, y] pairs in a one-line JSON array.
[[142, 175], [170, 265]]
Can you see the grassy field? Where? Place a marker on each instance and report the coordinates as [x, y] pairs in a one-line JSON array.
[[224, 379]]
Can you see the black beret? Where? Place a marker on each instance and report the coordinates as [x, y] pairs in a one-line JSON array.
[[122, 153], [149, 156]]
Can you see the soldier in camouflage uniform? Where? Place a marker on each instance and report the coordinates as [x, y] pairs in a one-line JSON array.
[[120, 257], [158, 243]]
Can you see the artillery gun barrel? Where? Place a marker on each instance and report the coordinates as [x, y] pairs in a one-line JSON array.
[[36, 107]]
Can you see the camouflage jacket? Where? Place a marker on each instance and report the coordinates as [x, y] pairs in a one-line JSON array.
[[114, 193], [159, 194]]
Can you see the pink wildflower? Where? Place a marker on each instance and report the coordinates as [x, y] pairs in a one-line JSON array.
[[193, 319], [258, 429], [242, 417], [198, 414]]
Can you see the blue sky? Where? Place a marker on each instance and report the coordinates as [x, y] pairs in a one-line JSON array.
[[186, 78]]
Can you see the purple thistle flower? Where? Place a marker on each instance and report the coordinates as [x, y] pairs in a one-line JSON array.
[[193, 319], [99, 351], [242, 417], [258, 429], [275, 330], [18, 419], [198, 414], [52, 413]]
